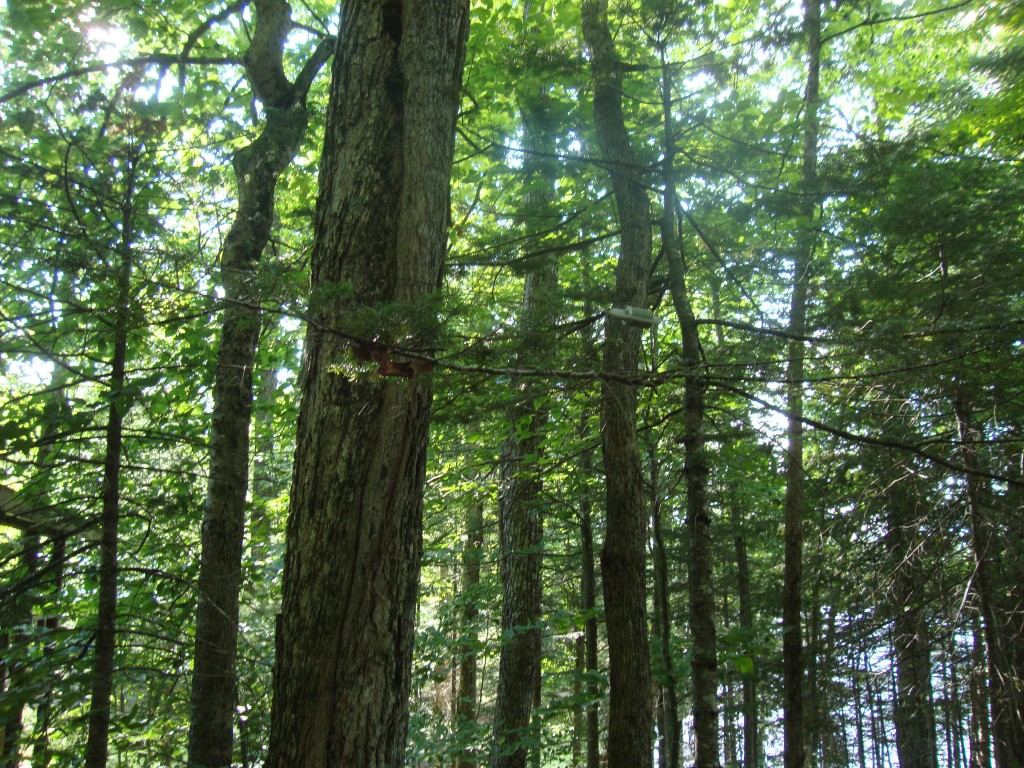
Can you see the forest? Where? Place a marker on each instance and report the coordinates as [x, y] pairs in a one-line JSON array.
[[507, 383]]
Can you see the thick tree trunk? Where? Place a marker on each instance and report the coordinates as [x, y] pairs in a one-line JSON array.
[[465, 705], [623, 561], [257, 168], [354, 536], [794, 717], [110, 515]]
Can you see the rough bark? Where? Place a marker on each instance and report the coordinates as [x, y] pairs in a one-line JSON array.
[[257, 168], [623, 560], [110, 515], [465, 706], [795, 725], [354, 534]]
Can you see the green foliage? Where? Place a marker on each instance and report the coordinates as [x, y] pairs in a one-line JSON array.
[[915, 295]]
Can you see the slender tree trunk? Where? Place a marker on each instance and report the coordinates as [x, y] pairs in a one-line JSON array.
[[588, 604], [704, 661], [465, 706], [110, 515], [669, 708], [795, 725], [257, 168], [981, 732], [862, 759], [623, 561], [354, 536], [751, 727]]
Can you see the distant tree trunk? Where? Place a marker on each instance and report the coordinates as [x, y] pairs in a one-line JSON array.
[[354, 536], [520, 499], [110, 515], [794, 717], [751, 727], [700, 584], [41, 754], [1006, 677], [588, 604], [981, 732], [13, 677], [623, 561], [669, 708], [257, 168], [913, 712], [465, 706]]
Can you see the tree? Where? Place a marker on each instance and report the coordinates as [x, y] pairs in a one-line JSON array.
[[354, 532], [623, 559], [792, 596], [257, 168]]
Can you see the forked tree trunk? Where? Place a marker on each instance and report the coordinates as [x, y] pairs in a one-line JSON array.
[[354, 535], [257, 168], [623, 561]]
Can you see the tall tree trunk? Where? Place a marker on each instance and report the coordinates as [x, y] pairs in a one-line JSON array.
[[700, 584], [257, 168], [520, 499], [623, 560], [913, 712], [794, 717], [354, 535], [110, 515], [465, 705]]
